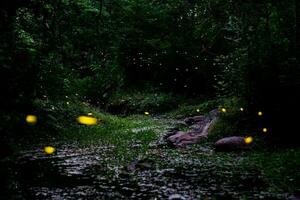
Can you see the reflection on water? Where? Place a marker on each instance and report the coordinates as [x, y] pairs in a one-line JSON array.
[[86, 173]]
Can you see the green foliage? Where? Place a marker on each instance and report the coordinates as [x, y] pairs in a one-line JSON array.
[[231, 80], [104, 82], [140, 102], [258, 173], [280, 168], [233, 122], [55, 115], [185, 110], [95, 49], [55, 55]]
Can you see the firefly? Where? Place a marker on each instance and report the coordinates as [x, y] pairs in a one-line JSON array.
[[90, 114], [241, 109], [248, 140], [49, 150], [146, 113], [260, 113], [198, 110], [31, 119], [223, 110], [87, 120], [265, 130]]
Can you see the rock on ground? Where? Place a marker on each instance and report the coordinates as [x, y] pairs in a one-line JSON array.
[[232, 143], [200, 127]]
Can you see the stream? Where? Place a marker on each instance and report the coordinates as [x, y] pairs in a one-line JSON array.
[[87, 173]]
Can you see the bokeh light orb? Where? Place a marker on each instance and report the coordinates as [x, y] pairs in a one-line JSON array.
[[89, 121], [265, 130], [31, 119], [49, 150], [248, 140]]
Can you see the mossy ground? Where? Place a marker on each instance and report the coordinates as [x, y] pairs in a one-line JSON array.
[[260, 173]]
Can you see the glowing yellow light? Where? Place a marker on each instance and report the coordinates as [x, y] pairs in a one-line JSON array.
[[248, 140], [147, 113], [265, 130], [49, 150], [223, 110], [87, 120], [241, 109], [31, 119], [198, 110], [260, 113], [90, 114]]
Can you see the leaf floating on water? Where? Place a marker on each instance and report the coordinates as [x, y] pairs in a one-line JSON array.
[[87, 120], [31, 119], [49, 150]]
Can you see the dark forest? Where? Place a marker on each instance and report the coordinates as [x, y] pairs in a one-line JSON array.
[[149, 99]]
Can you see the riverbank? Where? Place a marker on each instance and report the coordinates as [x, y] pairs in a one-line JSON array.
[[121, 157]]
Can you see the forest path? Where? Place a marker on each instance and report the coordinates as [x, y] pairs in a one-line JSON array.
[[160, 172]]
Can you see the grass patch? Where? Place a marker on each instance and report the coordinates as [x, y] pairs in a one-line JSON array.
[[60, 127], [281, 168], [278, 171], [192, 110], [140, 102]]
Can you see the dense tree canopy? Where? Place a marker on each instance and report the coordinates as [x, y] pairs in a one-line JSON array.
[[92, 49], [100, 97]]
